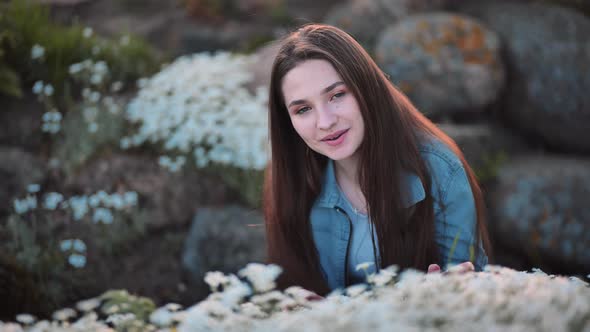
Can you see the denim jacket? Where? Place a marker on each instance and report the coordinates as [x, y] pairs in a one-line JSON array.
[[331, 224]]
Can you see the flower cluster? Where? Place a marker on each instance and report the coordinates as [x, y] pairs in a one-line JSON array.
[[199, 105], [494, 300], [77, 250], [97, 91], [101, 203]]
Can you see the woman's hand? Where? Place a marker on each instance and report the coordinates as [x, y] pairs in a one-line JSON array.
[[461, 268]]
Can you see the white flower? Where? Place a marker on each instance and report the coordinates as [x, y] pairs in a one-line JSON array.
[[119, 319], [87, 32], [76, 260], [261, 276], [21, 206], [38, 87], [356, 290], [52, 200], [88, 305], [75, 68], [33, 188], [37, 51], [48, 90], [199, 103], [26, 319], [364, 266], [161, 317], [79, 245], [64, 314], [65, 245], [103, 215], [116, 86], [92, 127], [215, 279], [124, 40]]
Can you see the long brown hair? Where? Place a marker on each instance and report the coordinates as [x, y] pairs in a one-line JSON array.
[[293, 177]]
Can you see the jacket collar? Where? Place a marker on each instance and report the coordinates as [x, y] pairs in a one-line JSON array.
[[330, 194]]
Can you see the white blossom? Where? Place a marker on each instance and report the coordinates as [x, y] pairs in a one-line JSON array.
[[161, 317], [64, 314], [33, 188], [199, 103], [48, 90], [26, 319], [261, 276], [37, 52], [76, 260], [87, 32], [38, 87], [52, 200], [88, 305]]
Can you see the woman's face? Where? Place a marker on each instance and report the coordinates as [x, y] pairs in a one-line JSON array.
[[323, 111]]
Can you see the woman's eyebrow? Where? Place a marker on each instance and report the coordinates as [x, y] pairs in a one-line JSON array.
[[324, 91]]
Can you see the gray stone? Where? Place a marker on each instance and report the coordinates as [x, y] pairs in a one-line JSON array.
[[166, 199], [365, 19], [18, 169], [485, 146], [539, 208], [445, 63], [223, 239], [262, 67], [548, 56]]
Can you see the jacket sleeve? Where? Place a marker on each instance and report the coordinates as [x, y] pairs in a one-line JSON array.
[[455, 222]]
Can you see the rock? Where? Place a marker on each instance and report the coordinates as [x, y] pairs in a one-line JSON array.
[[223, 239], [445, 63], [485, 146], [548, 57], [365, 19], [18, 169], [20, 122], [539, 208], [166, 198], [262, 67]]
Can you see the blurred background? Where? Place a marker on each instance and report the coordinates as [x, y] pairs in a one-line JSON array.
[[133, 132]]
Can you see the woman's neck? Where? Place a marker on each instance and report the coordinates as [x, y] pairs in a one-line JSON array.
[[346, 172]]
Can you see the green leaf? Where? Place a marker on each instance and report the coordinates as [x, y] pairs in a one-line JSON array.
[[10, 82]]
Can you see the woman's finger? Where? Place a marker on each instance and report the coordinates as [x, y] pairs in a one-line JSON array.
[[433, 268]]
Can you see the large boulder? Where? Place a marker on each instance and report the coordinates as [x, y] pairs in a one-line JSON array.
[[485, 146], [18, 169], [445, 63], [548, 57], [222, 239], [167, 199], [365, 19], [539, 208], [261, 68]]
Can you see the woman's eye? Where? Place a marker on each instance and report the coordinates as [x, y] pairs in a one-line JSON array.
[[302, 110], [338, 95]]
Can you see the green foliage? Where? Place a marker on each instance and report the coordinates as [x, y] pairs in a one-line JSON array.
[[26, 23], [121, 302], [76, 145], [491, 163], [248, 183]]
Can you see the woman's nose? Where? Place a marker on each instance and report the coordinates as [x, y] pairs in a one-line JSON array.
[[326, 118]]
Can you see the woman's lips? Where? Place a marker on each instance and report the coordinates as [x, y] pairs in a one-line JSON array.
[[334, 142]]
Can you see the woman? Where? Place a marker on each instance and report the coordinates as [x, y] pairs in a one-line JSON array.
[[358, 174]]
